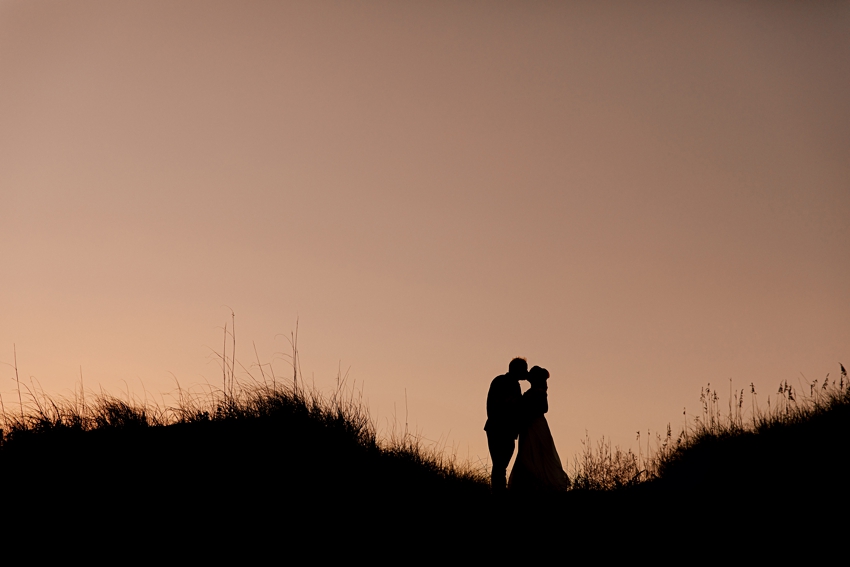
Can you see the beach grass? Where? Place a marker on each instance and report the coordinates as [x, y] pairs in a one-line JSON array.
[[796, 438], [261, 442]]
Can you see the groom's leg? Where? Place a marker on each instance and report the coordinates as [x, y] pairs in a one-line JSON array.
[[501, 450]]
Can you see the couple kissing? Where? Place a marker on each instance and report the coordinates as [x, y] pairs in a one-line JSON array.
[[512, 414]]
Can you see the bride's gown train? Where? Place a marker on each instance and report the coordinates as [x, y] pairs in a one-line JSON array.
[[537, 466]]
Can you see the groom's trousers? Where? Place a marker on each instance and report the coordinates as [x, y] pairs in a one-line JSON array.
[[501, 447]]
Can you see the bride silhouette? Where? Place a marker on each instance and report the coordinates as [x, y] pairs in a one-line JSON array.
[[538, 466]]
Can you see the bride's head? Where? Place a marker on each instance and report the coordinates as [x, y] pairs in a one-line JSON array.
[[537, 377]]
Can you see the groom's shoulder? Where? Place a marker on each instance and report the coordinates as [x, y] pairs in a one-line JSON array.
[[501, 381]]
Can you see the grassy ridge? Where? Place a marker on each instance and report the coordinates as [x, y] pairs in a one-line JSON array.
[[801, 442], [279, 449], [798, 440], [295, 454]]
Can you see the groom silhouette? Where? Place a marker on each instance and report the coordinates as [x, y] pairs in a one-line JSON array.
[[503, 416]]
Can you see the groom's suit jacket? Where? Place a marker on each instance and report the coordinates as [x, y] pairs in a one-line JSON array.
[[503, 406]]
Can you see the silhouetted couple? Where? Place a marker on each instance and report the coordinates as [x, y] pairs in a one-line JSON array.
[[512, 414]]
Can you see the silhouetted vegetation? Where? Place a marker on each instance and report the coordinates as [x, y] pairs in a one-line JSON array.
[[797, 440], [279, 450], [260, 445], [250, 450]]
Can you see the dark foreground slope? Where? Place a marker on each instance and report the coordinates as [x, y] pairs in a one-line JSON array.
[[261, 469], [266, 456], [790, 458], [796, 450], [280, 464]]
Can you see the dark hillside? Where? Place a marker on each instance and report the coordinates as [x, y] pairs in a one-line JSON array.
[[284, 462], [788, 457], [800, 445], [267, 453]]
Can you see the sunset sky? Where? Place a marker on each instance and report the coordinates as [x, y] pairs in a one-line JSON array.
[[641, 197]]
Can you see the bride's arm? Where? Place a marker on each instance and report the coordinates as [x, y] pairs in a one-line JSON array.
[[540, 402]]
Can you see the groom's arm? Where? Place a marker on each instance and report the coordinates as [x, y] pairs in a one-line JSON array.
[[504, 403]]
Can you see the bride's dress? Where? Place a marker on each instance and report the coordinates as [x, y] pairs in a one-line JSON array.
[[537, 465]]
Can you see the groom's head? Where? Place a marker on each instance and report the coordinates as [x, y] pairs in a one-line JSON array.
[[518, 368]]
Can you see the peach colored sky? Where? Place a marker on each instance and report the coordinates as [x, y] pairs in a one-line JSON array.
[[642, 198]]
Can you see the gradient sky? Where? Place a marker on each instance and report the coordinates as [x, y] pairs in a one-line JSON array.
[[641, 197]]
